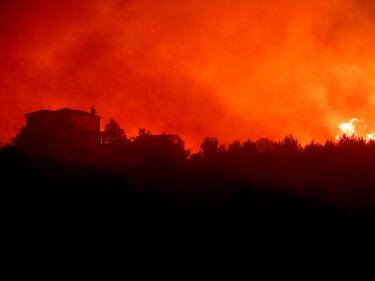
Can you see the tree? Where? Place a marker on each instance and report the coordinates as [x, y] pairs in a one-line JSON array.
[[289, 143], [143, 132], [234, 147], [113, 132], [210, 147]]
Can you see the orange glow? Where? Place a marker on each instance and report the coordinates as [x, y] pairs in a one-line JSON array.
[[348, 128], [224, 68], [370, 137]]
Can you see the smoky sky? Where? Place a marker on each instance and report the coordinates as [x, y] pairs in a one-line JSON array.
[[225, 68]]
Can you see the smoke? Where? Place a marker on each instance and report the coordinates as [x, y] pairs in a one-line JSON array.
[[232, 69]]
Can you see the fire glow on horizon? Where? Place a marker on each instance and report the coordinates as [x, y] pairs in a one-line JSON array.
[[349, 129], [197, 68]]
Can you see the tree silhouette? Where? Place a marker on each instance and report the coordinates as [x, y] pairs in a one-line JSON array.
[[242, 181], [114, 133], [289, 143], [210, 147], [143, 131]]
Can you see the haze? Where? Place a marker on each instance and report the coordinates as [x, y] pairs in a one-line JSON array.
[[225, 68]]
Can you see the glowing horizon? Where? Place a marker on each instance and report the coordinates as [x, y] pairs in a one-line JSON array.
[[233, 70]]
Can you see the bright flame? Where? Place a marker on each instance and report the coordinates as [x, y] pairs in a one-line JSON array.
[[370, 137], [348, 128]]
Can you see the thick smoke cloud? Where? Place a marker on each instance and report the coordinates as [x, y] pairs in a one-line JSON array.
[[232, 69]]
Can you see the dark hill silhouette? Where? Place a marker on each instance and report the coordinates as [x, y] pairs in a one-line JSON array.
[[153, 180]]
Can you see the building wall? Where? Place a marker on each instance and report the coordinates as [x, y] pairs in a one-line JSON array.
[[85, 123], [63, 129], [52, 122], [43, 121]]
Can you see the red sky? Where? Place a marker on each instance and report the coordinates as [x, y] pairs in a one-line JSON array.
[[226, 68]]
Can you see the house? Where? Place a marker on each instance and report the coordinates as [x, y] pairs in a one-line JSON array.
[[61, 128]]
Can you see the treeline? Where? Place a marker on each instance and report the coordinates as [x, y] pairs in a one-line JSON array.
[[156, 178]]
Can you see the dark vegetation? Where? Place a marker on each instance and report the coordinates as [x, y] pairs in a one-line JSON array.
[[153, 181]]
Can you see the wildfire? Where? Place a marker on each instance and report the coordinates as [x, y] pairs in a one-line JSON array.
[[370, 137], [348, 129]]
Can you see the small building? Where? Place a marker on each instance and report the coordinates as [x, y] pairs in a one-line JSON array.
[[63, 121], [61, 128]]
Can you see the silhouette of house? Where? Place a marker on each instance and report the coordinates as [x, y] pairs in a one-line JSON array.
[[60, 129]]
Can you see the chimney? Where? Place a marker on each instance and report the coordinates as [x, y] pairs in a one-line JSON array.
[[93, 110]]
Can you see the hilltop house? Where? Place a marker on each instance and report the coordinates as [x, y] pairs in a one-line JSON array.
[[61, 128]]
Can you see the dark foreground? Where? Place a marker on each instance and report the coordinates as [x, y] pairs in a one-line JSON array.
[[239, 188]]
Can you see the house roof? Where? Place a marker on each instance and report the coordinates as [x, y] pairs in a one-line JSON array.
[[63, 111]]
